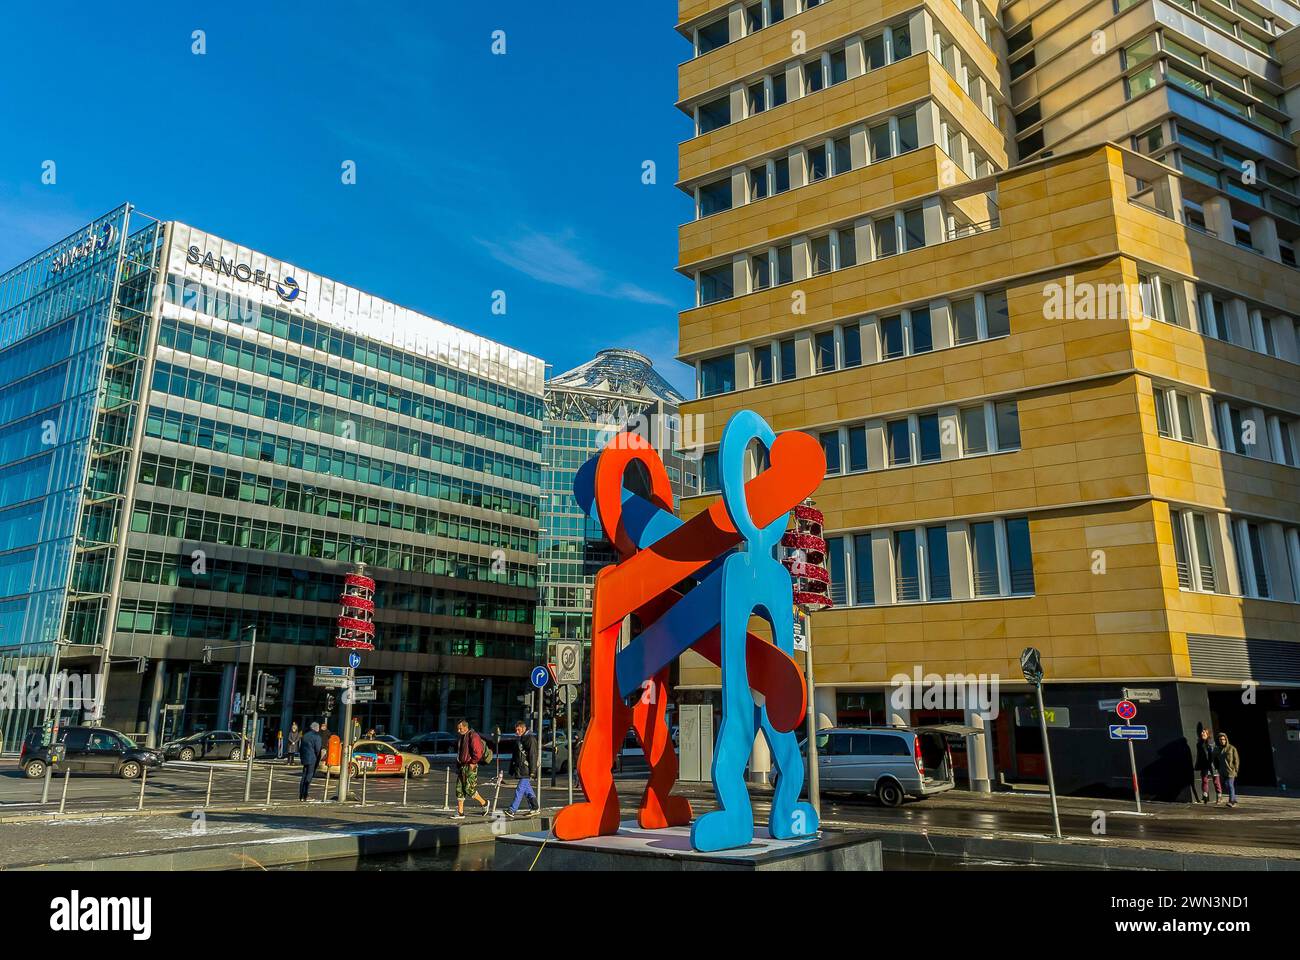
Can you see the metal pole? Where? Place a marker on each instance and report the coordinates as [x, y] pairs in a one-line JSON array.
[[45, 790], [326, 795], [1132, 762], [814, 775], [365, 779], [406, 782], [345, 775], [1047, 755], [208, 800], [63, 800], [248, 740], [270, 775], [144, 776], [568, 738], [446, 791], [541, 741]]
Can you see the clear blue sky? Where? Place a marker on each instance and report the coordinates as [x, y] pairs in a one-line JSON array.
[[475, 172]]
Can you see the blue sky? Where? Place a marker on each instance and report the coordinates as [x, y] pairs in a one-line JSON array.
[[475, 172]]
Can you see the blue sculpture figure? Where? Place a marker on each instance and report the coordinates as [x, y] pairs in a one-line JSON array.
[[752, 581]]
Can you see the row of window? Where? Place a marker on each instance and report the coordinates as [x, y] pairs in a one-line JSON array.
[[824, 70], [225, 623], [213, 481], [217, 391], [202, 526], [165, 569], [1235, 428], [757, 16], [1266, 555], [1233, 18], [236, 352], [1229, 319], [222, 305], [825, 158], [989, 427], [907, 332], [993, 558], [1206, 83], [252, 444]]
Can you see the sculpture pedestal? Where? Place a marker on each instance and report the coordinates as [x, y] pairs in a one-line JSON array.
[[633, 848]]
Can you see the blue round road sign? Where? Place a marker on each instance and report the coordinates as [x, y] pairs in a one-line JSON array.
[[1126, 709], [540, 677], [354, 660]]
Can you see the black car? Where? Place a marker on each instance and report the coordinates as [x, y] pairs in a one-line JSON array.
[[206, 745], [87, 750]]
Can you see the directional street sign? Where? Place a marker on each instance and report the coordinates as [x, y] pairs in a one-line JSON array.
[[1141, 694], [335, 678], [363, 681], [1119, 731], [540, 677], [364, 696]]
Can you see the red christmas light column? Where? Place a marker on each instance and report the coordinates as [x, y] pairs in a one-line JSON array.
[[357, 616], [805, 558]]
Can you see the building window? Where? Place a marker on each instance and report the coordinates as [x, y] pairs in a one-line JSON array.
[[936, 561], [830, 441], [852, 338], [907, 577], [1020, 558], [710, 481], [927, 428], [788, 366], [717, 283], [864, 577], [965, 321], [1007, 417], [714, 114], [899, 437], [857, 448], [922, 337], [974, 431], [824, 345], [820, 250], [715, 197], [891, 337], [835, 566], [762, 365], [984, 557], [712, 35], [718, 375]]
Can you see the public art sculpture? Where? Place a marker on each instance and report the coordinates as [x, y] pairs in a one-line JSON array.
[[730, 550]]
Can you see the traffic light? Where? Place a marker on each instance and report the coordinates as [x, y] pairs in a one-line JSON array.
[[268, 691], [551, 696]]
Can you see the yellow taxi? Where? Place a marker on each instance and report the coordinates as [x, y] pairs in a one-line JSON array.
[[375, 758]]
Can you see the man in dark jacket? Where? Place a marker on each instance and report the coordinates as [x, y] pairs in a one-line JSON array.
[[1229, 763], [526, 764], [469, 754], [309, 752]]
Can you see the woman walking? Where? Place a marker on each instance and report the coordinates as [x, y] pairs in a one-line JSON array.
[[1206, 765]]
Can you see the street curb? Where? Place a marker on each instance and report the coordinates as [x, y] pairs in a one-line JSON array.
[[262, 854], [1068, 853], [276, 806]]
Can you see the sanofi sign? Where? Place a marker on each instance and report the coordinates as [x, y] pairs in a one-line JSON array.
[[286, 288], [88, 246]]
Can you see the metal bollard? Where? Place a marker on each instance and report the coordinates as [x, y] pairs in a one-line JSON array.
[[497, 798], [45, 790], [325, 797], [365, 777], [144, 776], [63, 800], [406, 782], [270, 775], [446, 791], [207, 801]]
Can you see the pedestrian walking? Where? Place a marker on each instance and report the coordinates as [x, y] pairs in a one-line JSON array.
[[295, 741], [310, 754], [1207, 767], [526, 765], [470, 752], [1228, 762]]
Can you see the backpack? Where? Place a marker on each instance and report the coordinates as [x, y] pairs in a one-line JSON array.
[[487, 751]]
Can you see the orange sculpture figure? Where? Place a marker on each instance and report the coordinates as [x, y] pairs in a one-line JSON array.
[[653, 559]]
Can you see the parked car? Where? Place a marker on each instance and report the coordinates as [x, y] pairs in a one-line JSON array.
[[377, 758], [889, 763], [556, 752], [87, 750], [206, 745], [438, 746]]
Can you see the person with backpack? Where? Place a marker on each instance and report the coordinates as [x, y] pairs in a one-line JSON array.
[[470, 752], [309, 752], [1229, 763]]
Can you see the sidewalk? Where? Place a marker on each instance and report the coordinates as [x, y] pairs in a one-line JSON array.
[[226, 838]]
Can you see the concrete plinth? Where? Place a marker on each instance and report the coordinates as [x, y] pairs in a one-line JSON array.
[[633, 848]]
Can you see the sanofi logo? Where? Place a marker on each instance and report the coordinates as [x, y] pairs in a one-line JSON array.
[[88, 246], [286, 288]]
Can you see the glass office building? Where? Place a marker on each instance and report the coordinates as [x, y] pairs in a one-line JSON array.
[[196, 439], [585, 408]]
